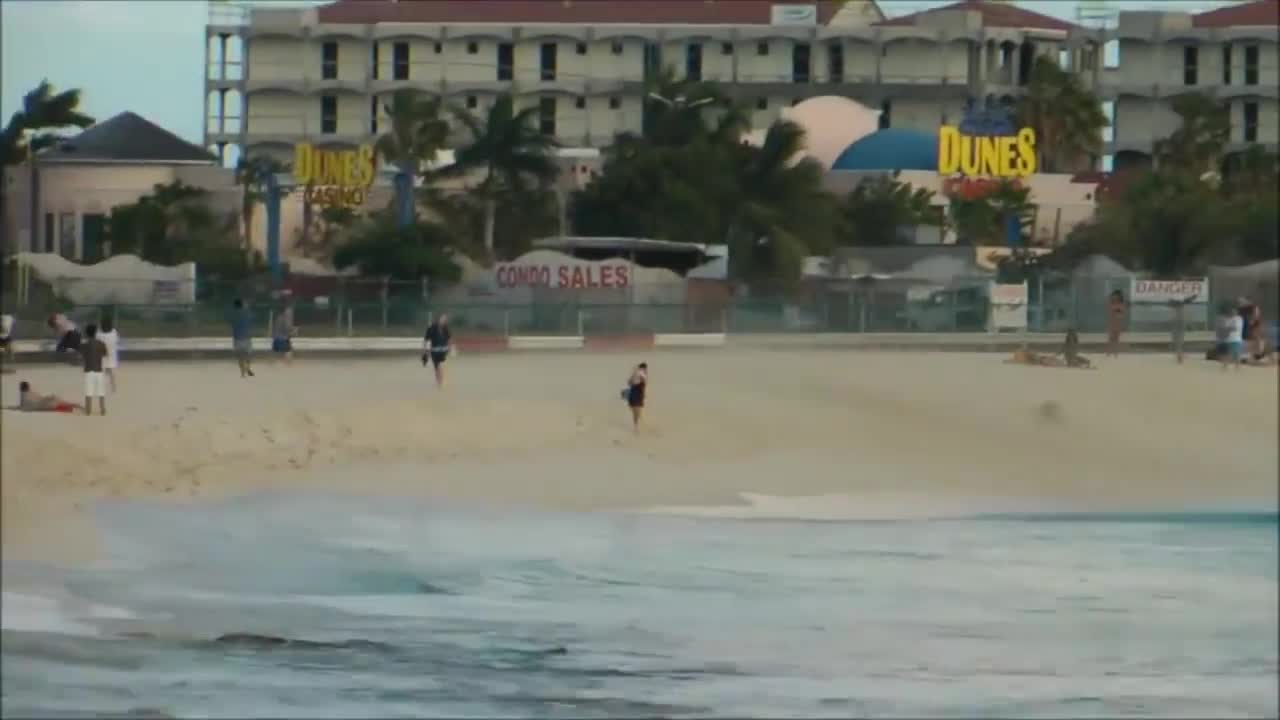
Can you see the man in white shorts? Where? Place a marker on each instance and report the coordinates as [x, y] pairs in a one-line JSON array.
[[95, 385], [111, 338]]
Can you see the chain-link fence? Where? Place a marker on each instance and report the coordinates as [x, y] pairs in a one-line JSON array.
[[367, 308]]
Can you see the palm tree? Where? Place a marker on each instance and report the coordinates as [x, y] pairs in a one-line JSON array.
[[1196, 147], [783, 214], [509, 150], [1067, 118], [42, 109], [878, 207], [676, 112], [251, 176], [417, 134]]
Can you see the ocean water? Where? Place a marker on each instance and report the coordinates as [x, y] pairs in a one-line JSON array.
[[274, 606]]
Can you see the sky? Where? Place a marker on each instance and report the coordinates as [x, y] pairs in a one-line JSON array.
[[147, 56]]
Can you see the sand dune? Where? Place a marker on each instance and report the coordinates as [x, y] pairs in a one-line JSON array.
[[1140, 432]]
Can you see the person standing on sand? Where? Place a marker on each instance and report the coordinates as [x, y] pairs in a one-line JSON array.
[[6, 339], [111, 338], [436, 346], [1115, 322], [637, 384], [282, 332], [1235, 343], [93, 351], [242, 336]]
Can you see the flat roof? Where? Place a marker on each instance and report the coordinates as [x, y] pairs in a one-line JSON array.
[[619, 243]]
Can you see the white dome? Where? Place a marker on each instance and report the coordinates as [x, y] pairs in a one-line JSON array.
[[830, 124]]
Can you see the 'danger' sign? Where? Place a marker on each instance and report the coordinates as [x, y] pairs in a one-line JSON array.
[[334, 178], [564, 277], [974, 155], [1195, 290]]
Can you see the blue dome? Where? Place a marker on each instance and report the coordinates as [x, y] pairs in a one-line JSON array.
[[891, 149]]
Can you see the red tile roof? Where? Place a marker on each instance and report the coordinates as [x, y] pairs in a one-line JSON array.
[[1251, 14], [994, 14], [584, 12]]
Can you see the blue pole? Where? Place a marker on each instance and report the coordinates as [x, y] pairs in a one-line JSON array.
[[1013, 230], [404, 198], [273, 230]]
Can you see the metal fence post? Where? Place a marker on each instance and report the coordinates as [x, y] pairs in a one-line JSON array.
[[506, 322], [350, 322], [385, 291], [580, 324]]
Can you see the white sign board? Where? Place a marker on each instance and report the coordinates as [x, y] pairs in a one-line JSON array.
[[1195, 290], [1008, 306], [801, 15]]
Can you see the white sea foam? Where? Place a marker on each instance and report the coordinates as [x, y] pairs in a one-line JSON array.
[[37, 613], [842, 506]]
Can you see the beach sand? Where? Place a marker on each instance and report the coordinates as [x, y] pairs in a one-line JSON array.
[[886, 430]]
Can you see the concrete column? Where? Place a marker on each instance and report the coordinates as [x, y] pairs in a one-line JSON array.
[[222, 55]]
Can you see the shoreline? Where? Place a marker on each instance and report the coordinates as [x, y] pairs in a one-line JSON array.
[[545, 429]]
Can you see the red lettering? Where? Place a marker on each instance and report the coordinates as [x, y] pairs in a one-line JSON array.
[[562, 279], [606, 276], [578, 281], [623, 272]]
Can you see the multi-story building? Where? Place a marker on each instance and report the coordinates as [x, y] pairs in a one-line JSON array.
[[1229, 54], [323, 74]]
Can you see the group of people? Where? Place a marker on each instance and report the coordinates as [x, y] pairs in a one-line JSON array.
[[283, 331], [1241, 336], [98, 351]]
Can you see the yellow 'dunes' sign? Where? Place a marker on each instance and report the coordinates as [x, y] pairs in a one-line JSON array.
[[334, 178], [1007, 156]]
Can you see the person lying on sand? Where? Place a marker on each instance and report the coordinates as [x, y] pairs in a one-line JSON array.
[[1031, 357], [32, 401]]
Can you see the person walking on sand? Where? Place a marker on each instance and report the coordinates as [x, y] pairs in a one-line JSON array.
[[242, 336], [1115, 322], [282, 332], [94, 352], [436, 346], [634, 394], [69, 337], [31, 401], [111, 338]]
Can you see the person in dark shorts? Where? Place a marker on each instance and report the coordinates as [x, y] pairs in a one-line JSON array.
[[283, 331], [69, 337], [436, 346], [637, 384]]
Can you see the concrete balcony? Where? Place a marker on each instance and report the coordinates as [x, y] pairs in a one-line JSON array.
[[923, 87], [432, 86], [481, 87], [336, 86]]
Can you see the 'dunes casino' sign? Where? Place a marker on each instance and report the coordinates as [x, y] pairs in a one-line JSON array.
[[986, 144], [334, 178]]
